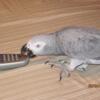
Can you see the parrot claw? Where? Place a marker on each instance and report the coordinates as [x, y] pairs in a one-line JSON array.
[[59, 63], [66, 68], [46, 62], [62, 65], [51, 64], [82, 68], [64, 73]]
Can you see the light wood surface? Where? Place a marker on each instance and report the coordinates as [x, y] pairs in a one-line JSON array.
[[19, 21]]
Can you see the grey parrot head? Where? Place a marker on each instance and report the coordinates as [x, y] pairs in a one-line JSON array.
[[41, 45]]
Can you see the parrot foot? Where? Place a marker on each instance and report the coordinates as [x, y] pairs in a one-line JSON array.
[[56, 60], [63, 67], [66, 68], [82, 68], [51, 64]]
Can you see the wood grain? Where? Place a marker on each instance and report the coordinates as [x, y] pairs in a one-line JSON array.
[[19, 21]]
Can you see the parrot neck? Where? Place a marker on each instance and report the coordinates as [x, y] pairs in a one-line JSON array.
[[52, 47], [58, 50]]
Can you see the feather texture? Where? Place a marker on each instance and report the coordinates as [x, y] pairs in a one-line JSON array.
[[79, 42]]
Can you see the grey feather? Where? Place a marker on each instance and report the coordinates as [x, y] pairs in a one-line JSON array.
[[80, 43]]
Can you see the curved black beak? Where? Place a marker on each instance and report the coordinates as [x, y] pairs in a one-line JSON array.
[[27, 52]]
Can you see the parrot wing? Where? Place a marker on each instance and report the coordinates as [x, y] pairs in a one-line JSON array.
[[80, 43]]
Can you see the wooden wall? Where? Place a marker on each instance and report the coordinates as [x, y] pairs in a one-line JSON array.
[[20, 19]]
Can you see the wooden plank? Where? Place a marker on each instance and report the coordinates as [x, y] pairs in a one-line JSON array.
[[19, 21]]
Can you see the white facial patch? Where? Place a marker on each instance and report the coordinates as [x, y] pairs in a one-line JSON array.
[[39, 45], [36, 47]]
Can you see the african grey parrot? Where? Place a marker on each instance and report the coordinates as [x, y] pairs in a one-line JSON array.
[[80, 44]]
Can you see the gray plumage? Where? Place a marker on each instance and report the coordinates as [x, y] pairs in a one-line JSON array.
[[80, 44]]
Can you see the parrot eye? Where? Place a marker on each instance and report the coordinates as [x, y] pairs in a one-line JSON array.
[[39, 45]]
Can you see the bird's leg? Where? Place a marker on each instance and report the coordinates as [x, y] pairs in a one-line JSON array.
[[67, 69], [75, 63]]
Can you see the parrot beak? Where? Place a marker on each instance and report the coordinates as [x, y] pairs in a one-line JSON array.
[[27, 52]]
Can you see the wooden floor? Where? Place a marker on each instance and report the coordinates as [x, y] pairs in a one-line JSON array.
[[19, 21]]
